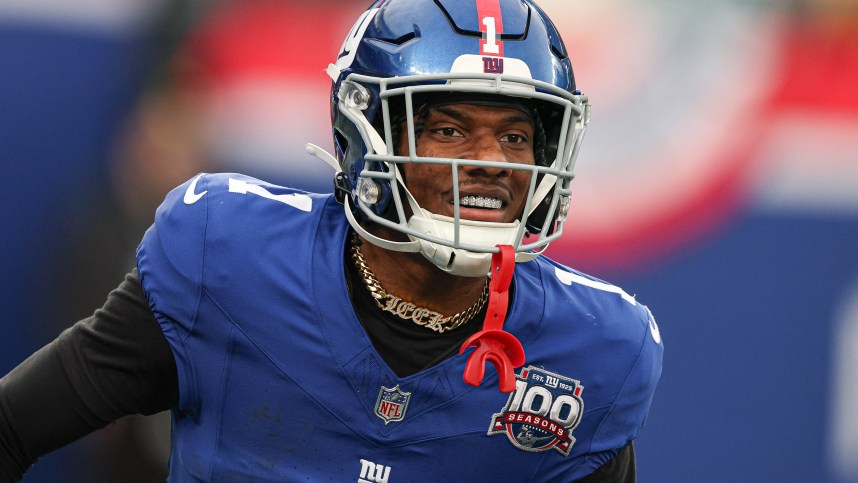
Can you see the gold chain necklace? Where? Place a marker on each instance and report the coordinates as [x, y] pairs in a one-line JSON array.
[[407, 310]]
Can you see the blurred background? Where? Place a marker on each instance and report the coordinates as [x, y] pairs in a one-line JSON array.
[[718, 182]]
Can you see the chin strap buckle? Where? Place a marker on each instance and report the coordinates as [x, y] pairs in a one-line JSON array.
[[341, 187], [492, 344]]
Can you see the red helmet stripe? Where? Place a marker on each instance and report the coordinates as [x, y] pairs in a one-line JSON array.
[[490, 20]]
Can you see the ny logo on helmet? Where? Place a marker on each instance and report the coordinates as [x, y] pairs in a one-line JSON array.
[[493, 65]]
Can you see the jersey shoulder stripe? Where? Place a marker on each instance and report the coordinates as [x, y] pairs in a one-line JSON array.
[[568, 278]]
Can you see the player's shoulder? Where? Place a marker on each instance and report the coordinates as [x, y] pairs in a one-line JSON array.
[[231, 212], [236, 198], [557, 277], [596, 297], [234, 219], [561, 275], [594, 332], [204, 188]]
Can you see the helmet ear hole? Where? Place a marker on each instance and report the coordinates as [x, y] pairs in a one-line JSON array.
[[538, 216], [550, 121], [550, 149]]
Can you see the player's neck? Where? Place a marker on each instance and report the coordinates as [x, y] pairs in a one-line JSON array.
[[411, 277]]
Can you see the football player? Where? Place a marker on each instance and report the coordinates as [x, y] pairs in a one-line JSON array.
[[405, 327]]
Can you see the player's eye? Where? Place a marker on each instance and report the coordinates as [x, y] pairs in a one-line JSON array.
[[513, 138], [447, 132]]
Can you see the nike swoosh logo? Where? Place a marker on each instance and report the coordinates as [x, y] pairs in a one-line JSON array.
[[191, 196]]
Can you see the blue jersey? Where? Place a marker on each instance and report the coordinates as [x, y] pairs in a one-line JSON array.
[[279, 382]]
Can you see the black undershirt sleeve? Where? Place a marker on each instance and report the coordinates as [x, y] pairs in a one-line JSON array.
[[113, 364], [620, 469]]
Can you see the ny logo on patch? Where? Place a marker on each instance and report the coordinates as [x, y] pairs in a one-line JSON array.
[[391, 404], [542, 412]]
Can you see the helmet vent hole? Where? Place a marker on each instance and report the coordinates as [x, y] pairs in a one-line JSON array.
[[341, 141]]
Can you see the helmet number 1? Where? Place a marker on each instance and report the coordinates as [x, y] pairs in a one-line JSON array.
[[491, 46]]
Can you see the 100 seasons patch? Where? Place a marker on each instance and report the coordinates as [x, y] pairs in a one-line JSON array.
[[542, 412]]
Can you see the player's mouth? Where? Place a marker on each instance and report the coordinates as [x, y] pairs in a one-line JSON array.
[[484, 202], [482, 208]]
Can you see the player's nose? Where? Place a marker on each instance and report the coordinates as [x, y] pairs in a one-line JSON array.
[[486, 147]]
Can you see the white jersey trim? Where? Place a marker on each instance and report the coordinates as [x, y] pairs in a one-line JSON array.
[[568, 278]]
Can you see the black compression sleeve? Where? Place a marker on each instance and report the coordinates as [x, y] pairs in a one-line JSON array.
[[620, 469], [115, 363]]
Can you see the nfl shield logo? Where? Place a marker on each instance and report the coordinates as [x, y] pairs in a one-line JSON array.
[[391, 404]]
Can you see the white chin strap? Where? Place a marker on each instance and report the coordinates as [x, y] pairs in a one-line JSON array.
[[458, 261]]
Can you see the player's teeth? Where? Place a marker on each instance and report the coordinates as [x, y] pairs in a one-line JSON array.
[[482, 202]]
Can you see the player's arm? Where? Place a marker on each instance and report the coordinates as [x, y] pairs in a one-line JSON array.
[[115, 363], [619, 469]]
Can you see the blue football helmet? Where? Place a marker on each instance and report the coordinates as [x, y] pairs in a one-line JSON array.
[[399, 55]]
